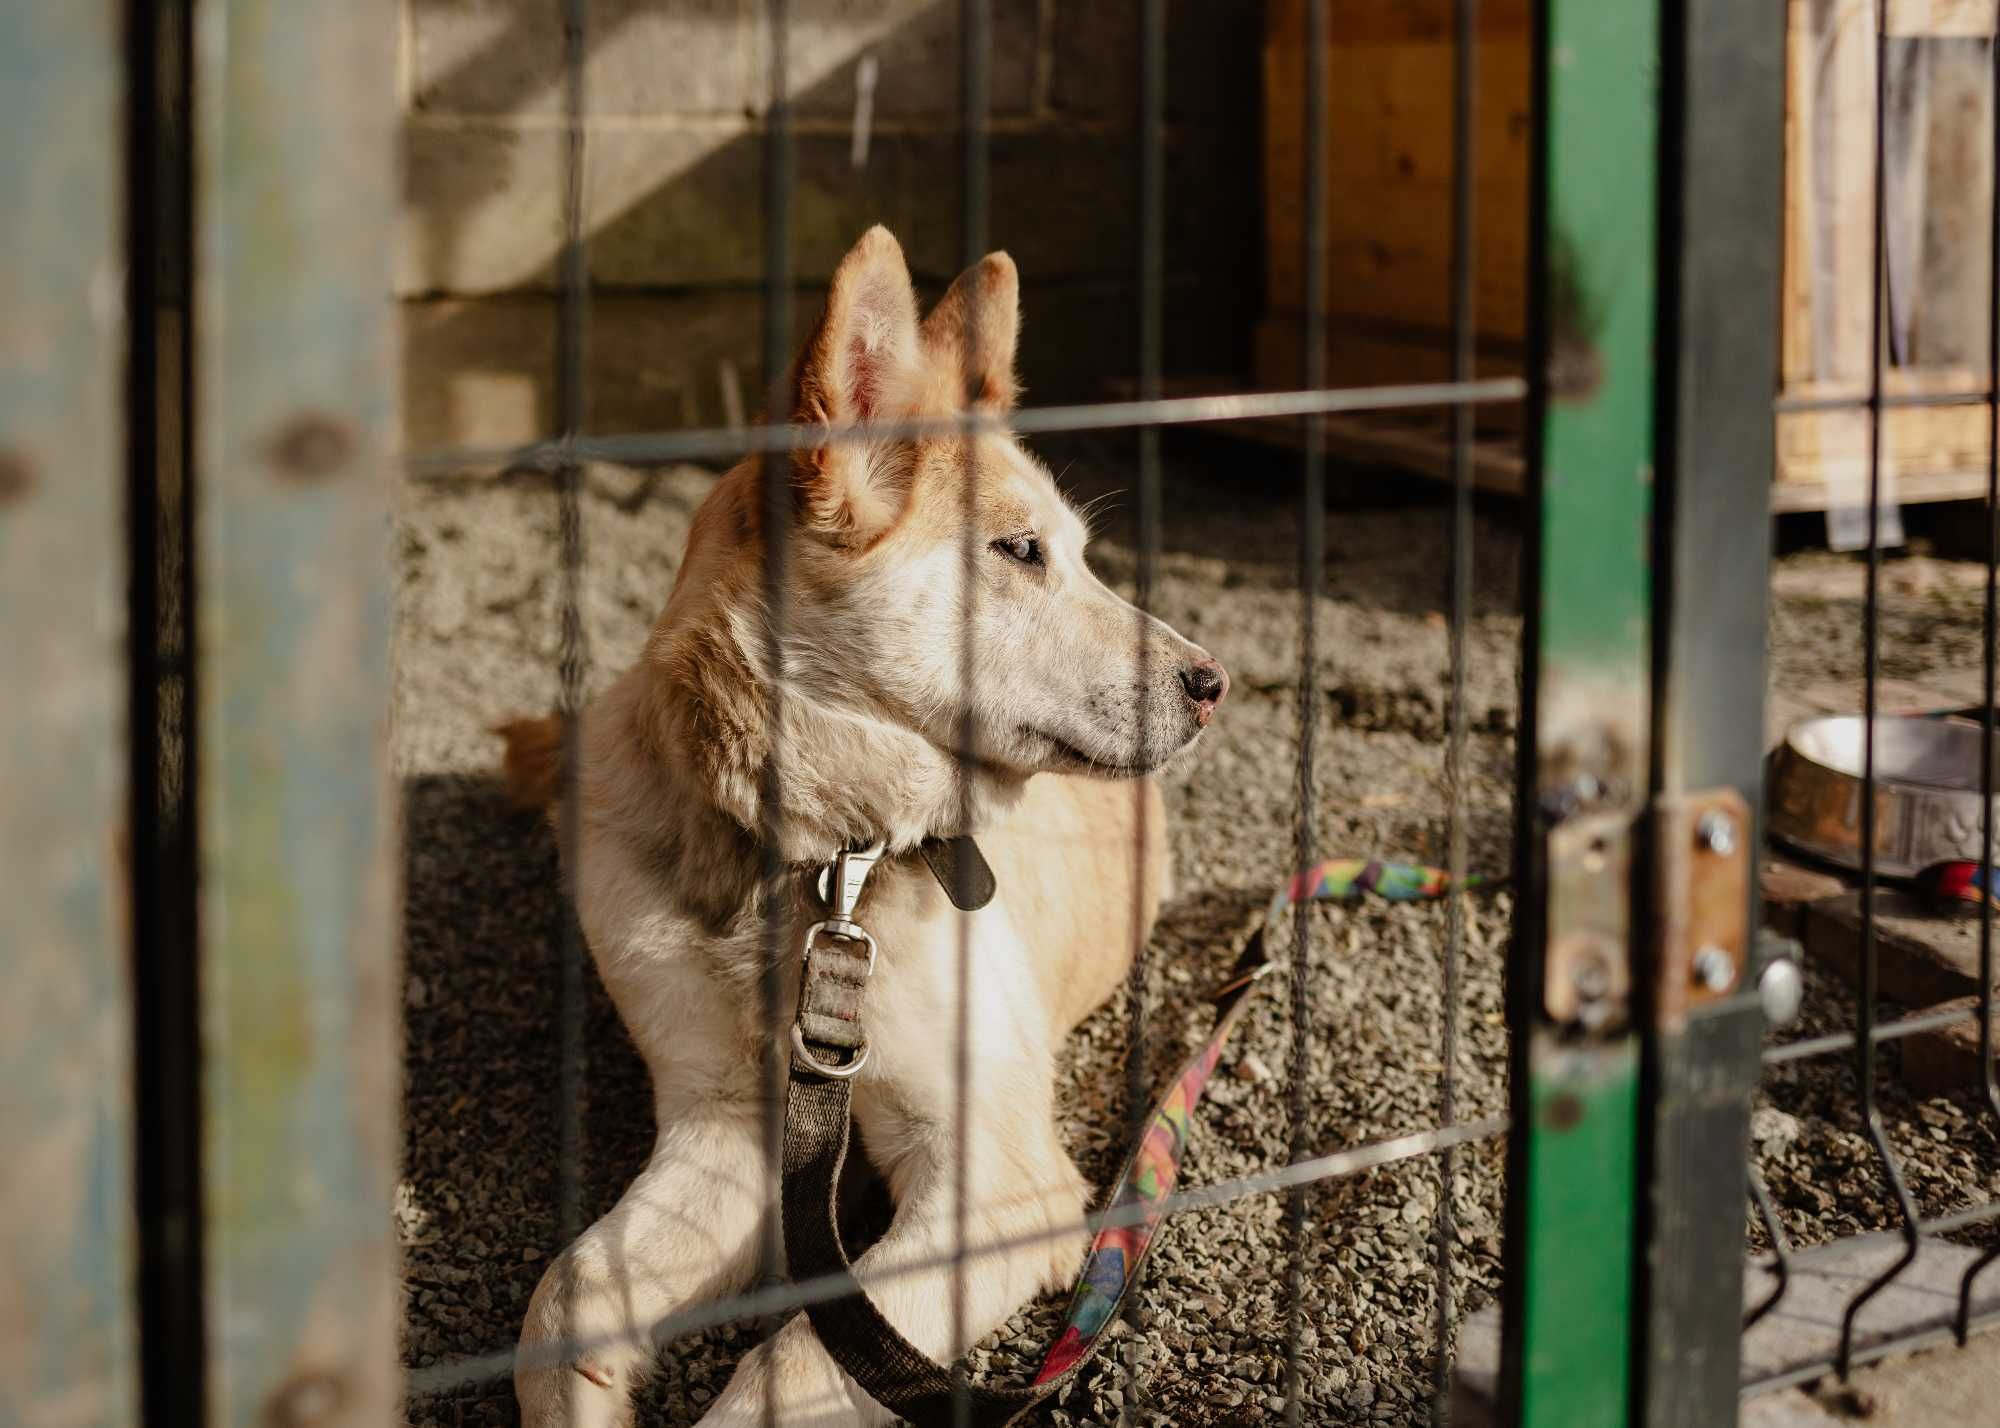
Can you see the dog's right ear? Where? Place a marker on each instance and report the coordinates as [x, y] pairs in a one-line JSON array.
[[860, 365]]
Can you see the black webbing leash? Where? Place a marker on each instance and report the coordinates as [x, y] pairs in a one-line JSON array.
[[828, 1050]]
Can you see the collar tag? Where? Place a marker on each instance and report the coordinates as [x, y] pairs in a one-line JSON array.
[[961, 870]]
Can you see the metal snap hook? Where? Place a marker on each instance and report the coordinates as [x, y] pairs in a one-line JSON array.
[[841, 881]]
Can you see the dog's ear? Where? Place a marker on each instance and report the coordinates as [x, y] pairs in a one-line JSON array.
[[862, 362], [974, 328]]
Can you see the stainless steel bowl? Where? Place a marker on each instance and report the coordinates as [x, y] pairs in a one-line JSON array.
[[1926, 791]]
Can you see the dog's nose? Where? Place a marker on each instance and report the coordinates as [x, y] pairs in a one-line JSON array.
[[1207, 684]]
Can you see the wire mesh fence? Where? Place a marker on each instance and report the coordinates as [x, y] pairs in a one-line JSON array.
[[1895, 38], [774, 445], [1598, 1073]]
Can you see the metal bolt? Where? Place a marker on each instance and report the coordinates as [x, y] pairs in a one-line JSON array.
[[305, 1401], [1714, 969], [1563, 1112], [311, 446], [17, 477], [1780, 990], [1717, 832]]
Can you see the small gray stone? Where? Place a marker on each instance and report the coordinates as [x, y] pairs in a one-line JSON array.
[[1771, 1130]]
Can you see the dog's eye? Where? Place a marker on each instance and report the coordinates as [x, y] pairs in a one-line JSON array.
[[1025, 548]]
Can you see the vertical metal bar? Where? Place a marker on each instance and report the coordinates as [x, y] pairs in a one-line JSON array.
[[1570, 1185], [295, 420], [165, 961], [66, 1244], [572, 417], [975, 83], [1871, 646], [1781, 1254], [975, 80], [776, 517], [1962, 1323], [1720, 220], [1312, 564], [1464, 328], [1149, 126]]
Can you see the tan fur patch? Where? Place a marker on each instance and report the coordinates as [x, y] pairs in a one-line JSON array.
[[531, 766]]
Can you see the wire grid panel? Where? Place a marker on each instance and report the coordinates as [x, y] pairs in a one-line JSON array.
[[564, 458], [1974, 1303]]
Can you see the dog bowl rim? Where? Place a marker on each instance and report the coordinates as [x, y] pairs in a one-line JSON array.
[[1884, 776], [1895, 786]]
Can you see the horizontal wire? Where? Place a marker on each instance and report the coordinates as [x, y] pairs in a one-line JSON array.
[[1888, 1031], [1960, 1219], [786, 1297], [646, 448], [1947, 1223], [1862, 402]]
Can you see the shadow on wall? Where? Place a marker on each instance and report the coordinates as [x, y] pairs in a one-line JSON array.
[[674, 183]]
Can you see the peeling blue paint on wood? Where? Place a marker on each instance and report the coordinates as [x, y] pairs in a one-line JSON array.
[[297, 166], [67, 1338]]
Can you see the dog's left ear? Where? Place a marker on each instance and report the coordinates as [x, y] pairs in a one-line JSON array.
[[974, 328], [861, 364]]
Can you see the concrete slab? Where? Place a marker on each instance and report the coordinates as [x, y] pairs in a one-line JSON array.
[[1790, 1346], [1923, 958], [1787, 888], [1935, 1062]]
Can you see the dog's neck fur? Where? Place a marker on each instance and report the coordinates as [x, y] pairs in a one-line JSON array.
[[699, 706]]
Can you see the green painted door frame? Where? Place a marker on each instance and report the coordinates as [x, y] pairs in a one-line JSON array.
[[1656, 194], [1573, 1188]]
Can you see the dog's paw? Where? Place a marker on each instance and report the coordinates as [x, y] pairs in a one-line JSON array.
[[790, 1377]]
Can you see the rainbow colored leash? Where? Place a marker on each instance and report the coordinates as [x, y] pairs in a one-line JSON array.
[[1141, 1190], [1956, 884]]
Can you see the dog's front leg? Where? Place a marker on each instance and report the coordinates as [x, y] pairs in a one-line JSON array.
[[1021, 1185], [683, 1232]]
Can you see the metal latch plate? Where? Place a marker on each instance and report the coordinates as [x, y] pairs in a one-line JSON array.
[[1587, 981], [1701, 900]]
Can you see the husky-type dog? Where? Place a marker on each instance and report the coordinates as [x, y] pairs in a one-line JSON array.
[[1075, 697]]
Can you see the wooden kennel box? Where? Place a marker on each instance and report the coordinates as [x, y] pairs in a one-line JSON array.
[[1389, 224]]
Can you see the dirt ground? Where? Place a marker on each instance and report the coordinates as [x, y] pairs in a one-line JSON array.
[[477, 1210]]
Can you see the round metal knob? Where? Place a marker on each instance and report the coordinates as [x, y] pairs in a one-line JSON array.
[[1780, 989]]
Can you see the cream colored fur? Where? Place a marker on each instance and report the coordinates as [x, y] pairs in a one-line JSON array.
[[1072, 687]]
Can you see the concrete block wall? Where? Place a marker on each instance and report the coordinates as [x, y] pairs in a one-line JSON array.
[[676, 107]]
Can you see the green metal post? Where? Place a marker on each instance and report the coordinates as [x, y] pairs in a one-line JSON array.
[[294, 417], [1572, 1187], [67, 1246]]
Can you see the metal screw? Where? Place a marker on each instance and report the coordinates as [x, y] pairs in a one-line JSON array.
[[1780, 990], [1717, 832], [1591, 979], [1714, 969]]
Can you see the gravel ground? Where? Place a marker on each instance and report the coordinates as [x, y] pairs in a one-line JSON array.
[[477, 1212], [1817, 1161]]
